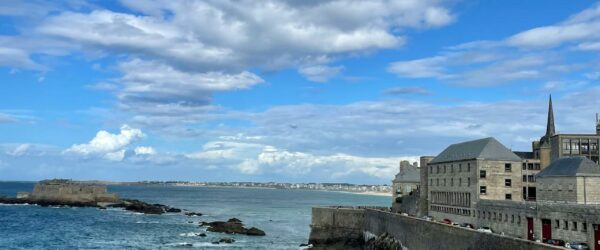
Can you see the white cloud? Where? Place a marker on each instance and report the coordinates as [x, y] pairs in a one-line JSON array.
[[320, 73], [13, 57], [107, 145], [419, 68], [20, 150], [144, 151]]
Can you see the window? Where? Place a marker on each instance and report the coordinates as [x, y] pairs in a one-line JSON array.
[[566, 146], [574, 227], [537, 166], [524, 178], [512, 220], [452, 182], [451, 168], [482, 190], [508, 183], [508, 196], [566, 225], [437, 182], [507, 167], [431, 169], [468, 181], [482, 174], [584, 227], [524, 165], [460, 182], [459, 167], [444, 182], [444, 169], [557, 223], [468, 167], [438, 169]]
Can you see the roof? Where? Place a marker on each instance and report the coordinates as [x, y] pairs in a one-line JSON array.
[[408, 174], [486, 149], [571, 166], [524, 155]]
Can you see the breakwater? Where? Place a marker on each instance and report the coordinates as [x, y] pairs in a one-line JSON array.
[[351, 228]]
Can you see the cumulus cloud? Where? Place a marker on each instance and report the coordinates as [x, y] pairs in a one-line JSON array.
[[320, 73], [144, 151], [541, 53], [107, 145]]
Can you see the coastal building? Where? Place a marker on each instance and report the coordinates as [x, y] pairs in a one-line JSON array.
[[407, 180], [467, 172], [69, 191], [548, 193]]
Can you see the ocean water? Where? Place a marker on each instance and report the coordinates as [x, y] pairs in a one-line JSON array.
[[283, 214]]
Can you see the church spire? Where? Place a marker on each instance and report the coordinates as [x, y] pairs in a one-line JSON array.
[[550, 131]]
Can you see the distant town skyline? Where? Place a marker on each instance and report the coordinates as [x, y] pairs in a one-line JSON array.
[[283, 91]]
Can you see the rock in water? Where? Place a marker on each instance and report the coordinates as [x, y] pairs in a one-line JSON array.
[[227, 240], [193, 214], [255, 231], [232, 226]]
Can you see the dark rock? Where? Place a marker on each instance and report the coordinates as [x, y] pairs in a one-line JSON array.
[[215, 242], [304, 245], [227, 240], [190, 222], [232, 226], [202, 234], [173, 210], [255, 231], [234, 220]]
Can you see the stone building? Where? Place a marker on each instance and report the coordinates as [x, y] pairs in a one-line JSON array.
[[69, 191], [407, 180], [574, 180], [467, 172], [406, 184]]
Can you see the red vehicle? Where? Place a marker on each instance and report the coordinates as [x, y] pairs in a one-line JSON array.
[[446, 221]]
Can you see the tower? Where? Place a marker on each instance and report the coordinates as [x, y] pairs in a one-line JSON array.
[[550, 130]]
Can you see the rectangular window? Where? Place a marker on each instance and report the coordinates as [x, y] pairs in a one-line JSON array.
[[459, 167], [452, 182], [537, 166], [508, 167], [566, 146], [444, 169], [583, 227], [574, 227], [566, 225], [431, 169], [530, 166], [482, 190], [451, 168], [437, 182], [508, 196], [468, 181], [575, 147], [557, 223], [524, 165], [512, 220], [508, 183], [482, 174], [468, 167], [524, 178], [460, 182]]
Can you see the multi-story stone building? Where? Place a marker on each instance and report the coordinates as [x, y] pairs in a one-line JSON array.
[[548, 193], [467, 172]]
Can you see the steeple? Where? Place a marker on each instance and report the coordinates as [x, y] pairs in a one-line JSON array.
[[550, 131]]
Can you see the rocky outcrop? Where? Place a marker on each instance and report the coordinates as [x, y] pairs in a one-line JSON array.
[[193, 214], [232, 226], [383, 242]]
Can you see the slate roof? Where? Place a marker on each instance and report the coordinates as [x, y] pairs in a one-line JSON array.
[[408, 174], [571, 166], [486, 149]]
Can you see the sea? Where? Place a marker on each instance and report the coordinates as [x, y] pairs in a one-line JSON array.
[[283, 214]]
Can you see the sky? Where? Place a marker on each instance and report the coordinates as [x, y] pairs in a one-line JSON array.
[[283, 90]]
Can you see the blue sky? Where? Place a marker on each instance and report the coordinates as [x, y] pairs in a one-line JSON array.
[[289, 91]]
